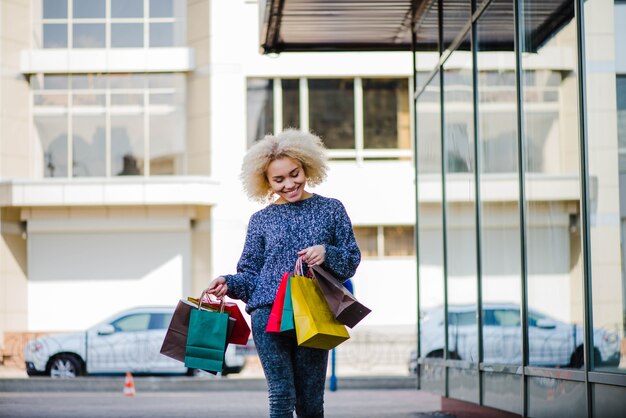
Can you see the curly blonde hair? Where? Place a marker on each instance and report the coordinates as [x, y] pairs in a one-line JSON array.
[[301, 146]]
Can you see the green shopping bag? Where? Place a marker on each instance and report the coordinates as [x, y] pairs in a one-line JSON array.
[[206, 339], [316, 325], [287, 325]]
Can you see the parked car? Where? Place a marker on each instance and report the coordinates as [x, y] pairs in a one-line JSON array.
[[129, 341], [550, 342]]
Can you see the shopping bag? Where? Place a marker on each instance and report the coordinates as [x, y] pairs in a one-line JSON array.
[[241, 331], [287, 325], [276, 314], [346, 308], [316, 325], [206, 339], [176, 335]]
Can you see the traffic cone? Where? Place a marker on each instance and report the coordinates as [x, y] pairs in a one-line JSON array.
[[129, 385]]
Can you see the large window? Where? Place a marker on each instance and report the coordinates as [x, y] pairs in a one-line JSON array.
[[358, 119], [110, 125], [385, 241], [110, 23]]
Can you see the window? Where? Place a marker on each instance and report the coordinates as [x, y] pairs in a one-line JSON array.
[[385, 241], [111, 23], [120, 124], [132, 323], [160, 320], [381, 131]]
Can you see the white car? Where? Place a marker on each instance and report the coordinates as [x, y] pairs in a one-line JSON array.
[[127, 342], [550, 342]]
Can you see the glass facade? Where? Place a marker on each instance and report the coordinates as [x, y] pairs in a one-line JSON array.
[[110, 125], [521, 144]]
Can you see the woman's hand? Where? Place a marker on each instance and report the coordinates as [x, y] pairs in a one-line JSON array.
[[313, 256], [218, 287]]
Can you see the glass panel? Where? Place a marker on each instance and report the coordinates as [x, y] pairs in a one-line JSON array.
[[499, 188], [432, 378], [606, 143], [331, 112], [549, 397], [88, 81], [50, 100], [88, 35], [161, 8], [260, 112], [367, 240], [54, 9], [55, 35], [291, 103], [608, 401], [55, 82], [88, 100], [386, 118], [127, 81], [89, 145], [126, 8], [126, 99], [162, 34], [461, 211], [503, 391], [126, 35], [52, 135], [167, 143], [89, 8], [555, 334], [132, 323], [462, 383], [430, 233], [455, 16], [163, 99], [399, 241], [127, 145]]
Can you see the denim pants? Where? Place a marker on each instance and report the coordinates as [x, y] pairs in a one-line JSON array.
[[295, 375]]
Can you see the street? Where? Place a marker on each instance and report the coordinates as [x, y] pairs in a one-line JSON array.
[[400, 403]]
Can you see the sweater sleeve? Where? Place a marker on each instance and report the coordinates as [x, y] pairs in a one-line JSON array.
[[342, 255], [241, 285]]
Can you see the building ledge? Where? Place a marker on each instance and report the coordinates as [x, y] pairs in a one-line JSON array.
[[178, 190], [134, 60]]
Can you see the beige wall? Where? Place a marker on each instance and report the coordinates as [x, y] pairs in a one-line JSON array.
[[198, 107]]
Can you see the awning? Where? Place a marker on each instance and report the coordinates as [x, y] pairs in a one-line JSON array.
[[379, 25]]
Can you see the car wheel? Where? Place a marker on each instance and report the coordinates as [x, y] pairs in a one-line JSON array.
[[577, 361], [65, 366]]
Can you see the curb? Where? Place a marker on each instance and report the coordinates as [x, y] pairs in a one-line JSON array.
[[185, 384]]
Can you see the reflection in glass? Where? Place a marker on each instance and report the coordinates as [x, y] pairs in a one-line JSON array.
[[126, 8], [367, 240], [126, 35], [127, 145], [88, 146], [260, 108], [500, 226], [55, 35], [167, 144], [331, 111], [88, 8], [291, 102], [88, 35], [129, 81], [430, 233], [127, 99], [386, 121], [52, 134], [606, 143], [88, 81], [161, 8], [553, 222], [55, 9], [88, 100], [460, 204]]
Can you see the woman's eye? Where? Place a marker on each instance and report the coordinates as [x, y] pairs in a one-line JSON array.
[[295, 175]]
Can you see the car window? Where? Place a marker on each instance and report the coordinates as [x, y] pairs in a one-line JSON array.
[[462, 318], [130, 323], [160, 320], [507, 317]]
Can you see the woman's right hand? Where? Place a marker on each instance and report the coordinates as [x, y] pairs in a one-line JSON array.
[[218, 287]]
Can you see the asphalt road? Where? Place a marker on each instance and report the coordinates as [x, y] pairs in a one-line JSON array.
[[398, 403]]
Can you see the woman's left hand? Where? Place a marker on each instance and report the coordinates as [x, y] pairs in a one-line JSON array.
[[313, 256]]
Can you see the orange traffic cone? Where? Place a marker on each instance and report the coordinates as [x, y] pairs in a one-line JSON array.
[[129, 385]]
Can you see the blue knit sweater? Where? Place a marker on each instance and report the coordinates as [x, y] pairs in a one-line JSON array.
[[276, 234]]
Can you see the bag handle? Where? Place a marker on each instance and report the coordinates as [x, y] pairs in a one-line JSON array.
[[208, 298], [299, 270]]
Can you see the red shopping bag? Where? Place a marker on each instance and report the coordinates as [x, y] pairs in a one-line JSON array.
[[276, 314]]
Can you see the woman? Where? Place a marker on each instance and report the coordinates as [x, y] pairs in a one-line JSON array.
[[297, 224]]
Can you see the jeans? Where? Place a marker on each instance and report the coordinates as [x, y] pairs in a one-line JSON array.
[[295, 375]]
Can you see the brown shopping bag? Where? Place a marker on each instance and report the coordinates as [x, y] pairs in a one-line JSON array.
[[342, 303]]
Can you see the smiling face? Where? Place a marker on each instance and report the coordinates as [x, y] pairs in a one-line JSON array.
[[287, 179]]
